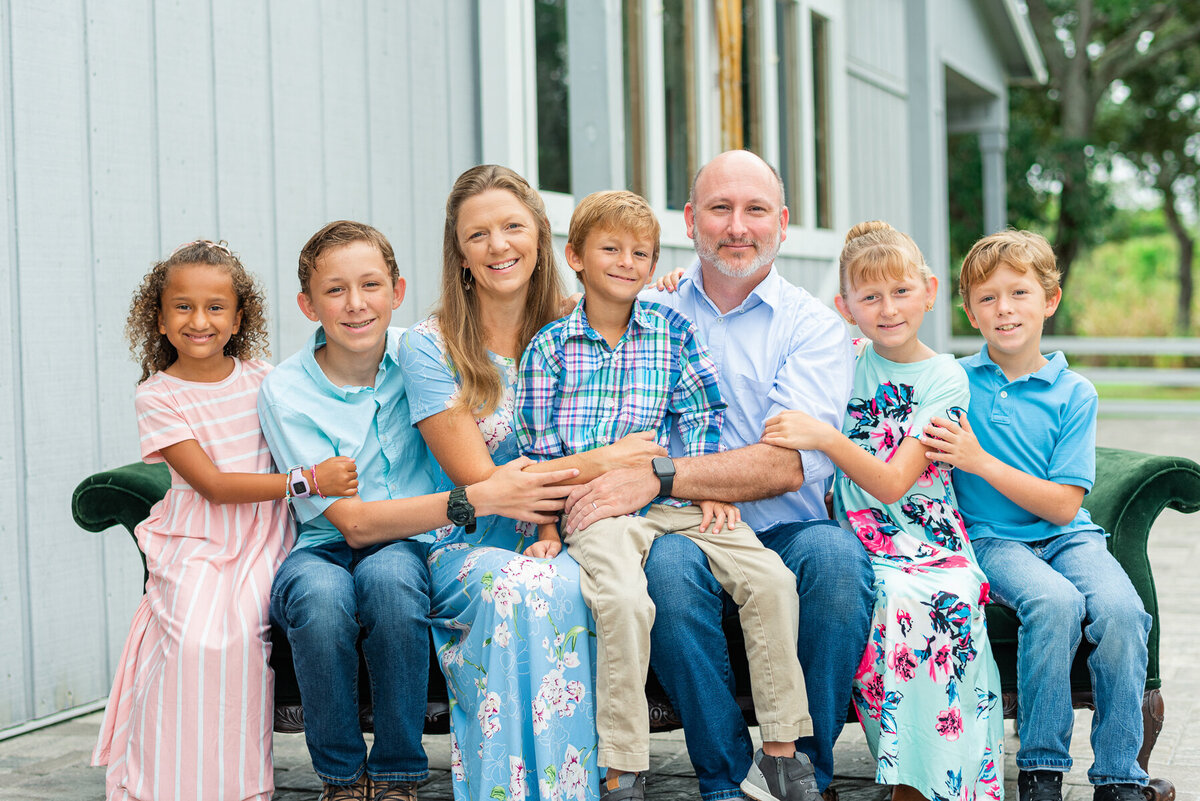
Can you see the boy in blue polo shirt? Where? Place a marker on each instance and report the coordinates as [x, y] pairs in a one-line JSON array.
[[1025, 457], [357, 568]]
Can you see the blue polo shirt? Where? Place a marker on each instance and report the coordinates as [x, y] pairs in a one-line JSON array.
[[306, 419], [1043, 423]]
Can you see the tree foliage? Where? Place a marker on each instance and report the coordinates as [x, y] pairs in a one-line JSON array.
[[1089, 45]]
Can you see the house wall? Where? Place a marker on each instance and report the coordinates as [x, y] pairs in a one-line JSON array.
[[128, 128]]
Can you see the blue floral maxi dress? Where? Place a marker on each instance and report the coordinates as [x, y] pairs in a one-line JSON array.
[[927, 690], [513, 635]]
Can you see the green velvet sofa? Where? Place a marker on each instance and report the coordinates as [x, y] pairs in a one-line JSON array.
[[1131, 490]]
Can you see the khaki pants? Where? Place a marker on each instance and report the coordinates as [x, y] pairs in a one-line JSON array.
[[611, 554]]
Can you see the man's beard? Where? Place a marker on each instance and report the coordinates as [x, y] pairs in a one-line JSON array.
[[765, 253]]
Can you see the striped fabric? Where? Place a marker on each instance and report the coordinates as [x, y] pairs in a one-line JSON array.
[[190, 713], [576, 393]]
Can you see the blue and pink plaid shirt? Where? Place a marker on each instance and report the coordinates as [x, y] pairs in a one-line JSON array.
[[575, 393]]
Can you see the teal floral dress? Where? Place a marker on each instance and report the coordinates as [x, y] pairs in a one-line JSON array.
[[927, 690], [513, 635]]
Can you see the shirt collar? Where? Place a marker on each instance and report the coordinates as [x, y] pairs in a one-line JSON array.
[[577, 324], [1048, 373], [317, 341], [770, 290]]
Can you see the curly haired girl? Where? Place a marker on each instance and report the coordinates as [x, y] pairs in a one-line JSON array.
[[190, 713]]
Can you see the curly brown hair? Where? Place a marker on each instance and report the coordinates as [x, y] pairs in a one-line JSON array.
[[152, 350]]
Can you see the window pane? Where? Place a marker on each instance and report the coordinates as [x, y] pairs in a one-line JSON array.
[[553, 108], [787, 35], [635, 120], [679, 81], [751, 78], [821, 143]]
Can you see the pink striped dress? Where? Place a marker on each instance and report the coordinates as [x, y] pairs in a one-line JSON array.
[[190, 714]]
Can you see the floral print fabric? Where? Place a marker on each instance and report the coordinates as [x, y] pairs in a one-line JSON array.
[[513, 635], [927, 690]]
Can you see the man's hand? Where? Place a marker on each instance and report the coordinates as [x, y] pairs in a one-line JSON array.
[[617, 492], [668, 282], [721, 515], [521, 495], [953, 443]]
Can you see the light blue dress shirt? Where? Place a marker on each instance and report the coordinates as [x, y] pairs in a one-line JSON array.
[[780, 349], [1044, 424], [306, 419]]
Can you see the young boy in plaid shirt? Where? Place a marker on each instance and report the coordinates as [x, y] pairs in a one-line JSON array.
[[615, 366]]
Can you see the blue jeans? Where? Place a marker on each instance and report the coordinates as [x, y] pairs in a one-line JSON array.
[[322, 597], [689, 655], [1055, 586]]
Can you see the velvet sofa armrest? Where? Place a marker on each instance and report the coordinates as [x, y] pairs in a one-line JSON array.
[[1130, 492], [121, 496]]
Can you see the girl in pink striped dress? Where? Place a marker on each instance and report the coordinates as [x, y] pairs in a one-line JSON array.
[[190, 713]]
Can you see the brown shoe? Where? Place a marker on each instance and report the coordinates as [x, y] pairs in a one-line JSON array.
[[359, 791], [395, 791]]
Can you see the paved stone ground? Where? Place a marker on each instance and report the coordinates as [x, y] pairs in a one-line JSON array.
[[52, 763]]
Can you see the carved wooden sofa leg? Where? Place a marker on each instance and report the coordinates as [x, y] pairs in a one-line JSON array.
[[1152, 723]]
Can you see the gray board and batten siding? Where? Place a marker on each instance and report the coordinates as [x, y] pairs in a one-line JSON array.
[[127, 129]]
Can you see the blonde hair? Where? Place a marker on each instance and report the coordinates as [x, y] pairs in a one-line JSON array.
[[873, 250], [152, 350], [614, 210], [458, 307], [1021, 250]]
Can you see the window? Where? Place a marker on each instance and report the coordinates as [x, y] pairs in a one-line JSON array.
[[791, 132], [821, 141], [679, 83], [553, 101]]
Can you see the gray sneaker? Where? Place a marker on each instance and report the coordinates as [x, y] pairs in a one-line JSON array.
[[781, 779]]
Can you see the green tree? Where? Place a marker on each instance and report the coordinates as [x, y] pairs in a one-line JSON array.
[[1089, 45], [1156, 126]]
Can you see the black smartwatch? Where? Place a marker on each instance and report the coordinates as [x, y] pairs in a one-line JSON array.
[[460, 511], [664, 468]]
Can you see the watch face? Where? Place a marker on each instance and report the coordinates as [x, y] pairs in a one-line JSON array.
[[299, 487], [662, 466]]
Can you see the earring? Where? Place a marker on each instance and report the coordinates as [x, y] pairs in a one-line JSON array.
[[467, 280], [929, 307]]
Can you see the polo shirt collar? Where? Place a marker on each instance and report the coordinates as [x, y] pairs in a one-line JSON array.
[[1055, 364], [317, 341], [770, 290]]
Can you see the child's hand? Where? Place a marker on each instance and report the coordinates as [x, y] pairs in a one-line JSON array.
[[336, 477], [796, 430], [668, 283], [953, 443], [720, 514], [632, 450], [548, 544]]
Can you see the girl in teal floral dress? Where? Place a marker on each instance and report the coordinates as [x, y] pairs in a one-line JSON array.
[[513, 635], [927, 691]]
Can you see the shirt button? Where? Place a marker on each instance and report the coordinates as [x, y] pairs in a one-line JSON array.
[[1003, 394], [720, 319]]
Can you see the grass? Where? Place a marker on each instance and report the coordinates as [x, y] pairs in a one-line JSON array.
[[1143, 392]]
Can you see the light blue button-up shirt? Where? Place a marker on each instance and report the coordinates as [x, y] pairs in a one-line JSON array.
[[780, 349], [306, 419]]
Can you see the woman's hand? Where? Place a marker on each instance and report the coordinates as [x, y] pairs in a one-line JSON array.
[[669, 282], [796, 430], [548, 544], [632, 450], [720, 514], [336, 477], [521, 495]]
